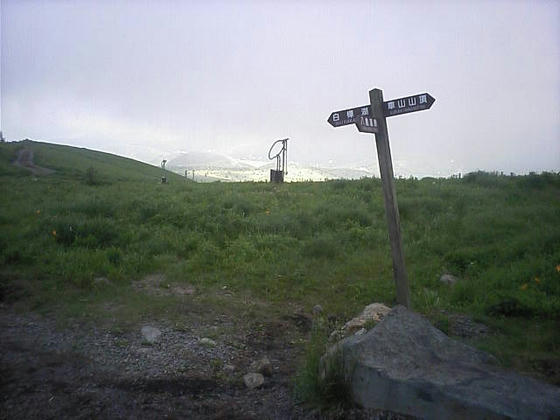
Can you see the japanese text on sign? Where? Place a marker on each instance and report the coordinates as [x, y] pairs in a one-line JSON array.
[[348, 116], [409, 104]]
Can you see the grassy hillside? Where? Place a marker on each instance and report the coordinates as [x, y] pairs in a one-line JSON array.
[[72, 163], [308, 243]]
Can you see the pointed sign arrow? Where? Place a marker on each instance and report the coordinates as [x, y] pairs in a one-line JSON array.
[[349, 116], [407, 104]]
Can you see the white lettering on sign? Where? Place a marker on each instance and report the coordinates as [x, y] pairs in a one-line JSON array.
[[401, 103], [365, 111], [423, 99], [391, 105], [335, 117], [350, 114], [411, 101]]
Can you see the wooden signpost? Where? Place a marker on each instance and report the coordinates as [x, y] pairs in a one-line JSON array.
[[372, 119]]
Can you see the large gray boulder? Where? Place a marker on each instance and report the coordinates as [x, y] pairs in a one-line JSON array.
[[407, 366]]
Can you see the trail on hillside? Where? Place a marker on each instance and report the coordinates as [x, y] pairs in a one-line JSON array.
[[25, 160]]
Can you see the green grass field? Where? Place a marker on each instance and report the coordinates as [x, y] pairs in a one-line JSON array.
[[322, 243]]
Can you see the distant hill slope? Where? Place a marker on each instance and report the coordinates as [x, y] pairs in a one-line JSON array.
[[75, 161]]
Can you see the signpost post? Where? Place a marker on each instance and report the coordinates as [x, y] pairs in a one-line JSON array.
[[372, 119]]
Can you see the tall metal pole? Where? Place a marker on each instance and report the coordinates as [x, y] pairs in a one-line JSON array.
[[390, 198]]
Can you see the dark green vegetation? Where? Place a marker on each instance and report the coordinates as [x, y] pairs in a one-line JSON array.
[[103, 216]]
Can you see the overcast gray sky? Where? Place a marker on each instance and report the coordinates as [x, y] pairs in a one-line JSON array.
[[233, 76]]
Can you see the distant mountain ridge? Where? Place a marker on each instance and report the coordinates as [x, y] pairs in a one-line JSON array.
[[205, 160]]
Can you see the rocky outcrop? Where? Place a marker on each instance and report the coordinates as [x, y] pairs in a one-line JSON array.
[[371, 315], [407, 366]]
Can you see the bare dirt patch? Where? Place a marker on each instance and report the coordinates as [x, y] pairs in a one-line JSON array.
[[157, 285]]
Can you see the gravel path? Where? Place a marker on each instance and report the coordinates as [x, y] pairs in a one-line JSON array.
[[193, 369], [85, 372]]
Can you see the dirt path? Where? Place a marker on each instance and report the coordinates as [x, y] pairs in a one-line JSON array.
[[83, 371], [25, 160], [109, 369]]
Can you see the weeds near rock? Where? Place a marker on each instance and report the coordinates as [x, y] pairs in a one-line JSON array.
[[321, 380]]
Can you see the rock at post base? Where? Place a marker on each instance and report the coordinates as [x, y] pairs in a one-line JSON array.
[[407, 366], [372, 313]]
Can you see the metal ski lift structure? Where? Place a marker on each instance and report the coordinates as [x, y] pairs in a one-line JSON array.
[[277, 175]]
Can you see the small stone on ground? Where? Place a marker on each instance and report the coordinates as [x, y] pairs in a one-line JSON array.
[[448, 279], [372, 313], [150, 334], [253, 380], [262, 366], [205, 341]]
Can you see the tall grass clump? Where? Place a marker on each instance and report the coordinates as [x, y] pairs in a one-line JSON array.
[[321, 380]]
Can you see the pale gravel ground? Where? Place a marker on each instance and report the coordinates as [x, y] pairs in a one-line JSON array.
[[85, 372]]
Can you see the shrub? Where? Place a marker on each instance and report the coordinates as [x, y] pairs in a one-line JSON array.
[[508, 307], [240, 205], [94, 207], [114, 256], [64, 232], [322, 247], [92, 176], [339, 184], [97, 233]]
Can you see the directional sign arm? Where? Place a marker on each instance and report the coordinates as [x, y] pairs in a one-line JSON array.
[[348, 116], [408, 104]]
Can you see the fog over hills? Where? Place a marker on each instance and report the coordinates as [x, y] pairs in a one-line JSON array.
[[205, 160], [210, 166], [153, 80], [247, 164]]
